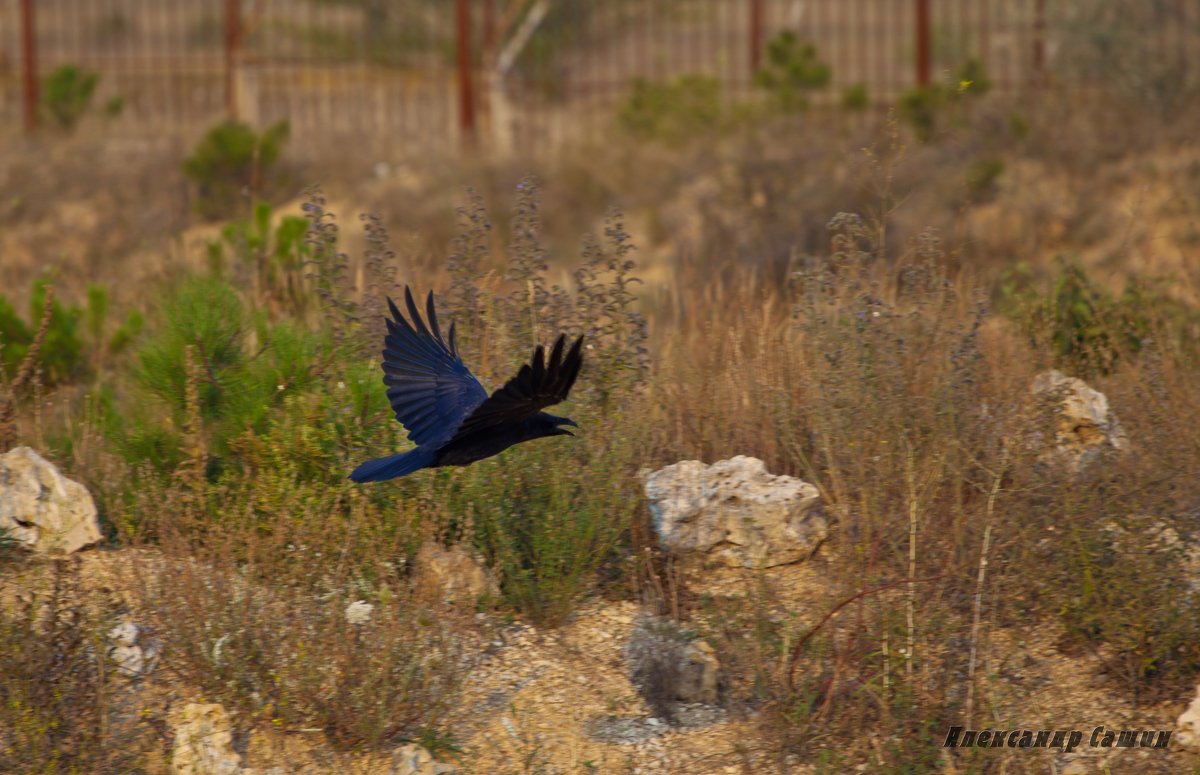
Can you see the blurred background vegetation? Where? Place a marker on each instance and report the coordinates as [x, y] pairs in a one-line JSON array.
[[808, 252]]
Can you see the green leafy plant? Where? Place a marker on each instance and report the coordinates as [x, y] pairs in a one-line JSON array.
[[1120, 595], [67, 94], [791, 71], [275, 256], [103, 338], [673, 111], [1088, 328], [242, 367], [114, 105], [926, 108], [982, 176], [920, 107], [972, 78], [856, 97], [61, 356], [546, 532], [230, 159]]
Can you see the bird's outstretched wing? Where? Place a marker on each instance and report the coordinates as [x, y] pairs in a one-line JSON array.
[[537, 385], [429, 387]]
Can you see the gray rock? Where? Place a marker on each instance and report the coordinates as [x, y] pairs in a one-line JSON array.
[[735, 512], [412, 759], [699, 672], [204, 742], [41, 508], [623, 730], [669, 668], [1085, 427], [1187, 726], [134, 654]]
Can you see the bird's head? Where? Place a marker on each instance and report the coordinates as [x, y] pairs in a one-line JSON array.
[[544, 424]]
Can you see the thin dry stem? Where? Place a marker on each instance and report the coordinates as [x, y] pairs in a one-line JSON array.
[[997, 479], [12, 391]]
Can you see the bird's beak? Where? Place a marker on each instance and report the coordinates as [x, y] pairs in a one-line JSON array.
[[568, 421], [564, 421]]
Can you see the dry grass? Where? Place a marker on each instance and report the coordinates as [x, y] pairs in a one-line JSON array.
[[860, 353]]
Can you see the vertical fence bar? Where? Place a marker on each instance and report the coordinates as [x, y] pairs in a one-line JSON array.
[[756, 35], [233, 26], [489, 26], [466, 95], [29, 65], [985, 36], [923, 54], [1039, 41]]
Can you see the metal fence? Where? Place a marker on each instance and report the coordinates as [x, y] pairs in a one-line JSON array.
[[515, 73]]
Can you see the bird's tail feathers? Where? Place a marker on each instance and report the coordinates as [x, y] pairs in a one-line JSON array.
[[384, 468]]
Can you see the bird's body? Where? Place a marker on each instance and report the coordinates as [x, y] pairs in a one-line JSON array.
[[476, 446], [448, 413]]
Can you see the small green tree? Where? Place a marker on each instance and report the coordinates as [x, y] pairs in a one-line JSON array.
[[232, 158], [67, 93], [791, 70], [276, 257], [61, 353], [675, 110], [242, 367], [856, 97]]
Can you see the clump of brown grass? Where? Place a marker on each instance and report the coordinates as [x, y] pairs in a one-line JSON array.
[[60, 709], [890, 384], [12, 390]]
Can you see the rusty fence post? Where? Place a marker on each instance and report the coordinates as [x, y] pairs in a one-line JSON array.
[[923, 43], [756, 35], [466, 88], [233, 34], [1039, 42], [29, 74]]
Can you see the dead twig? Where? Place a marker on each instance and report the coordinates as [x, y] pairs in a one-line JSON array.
[[795, 655], [11, 392]]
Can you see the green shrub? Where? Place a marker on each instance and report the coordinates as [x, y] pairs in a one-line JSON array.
[[61, 356], [274, 257], [1113, 585], [101, 341], [8, 544], [114, 105], [982, 176], [920, 107], [926, 108], [544, 527], [243, 364], [67, 94], [1086, 327], [673, 111], [973, 78], [231, 158], [1124, 46], [1019, 125], [791, 70], [856, 97]]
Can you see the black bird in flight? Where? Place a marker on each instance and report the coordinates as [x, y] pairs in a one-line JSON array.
[[449, 415]]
